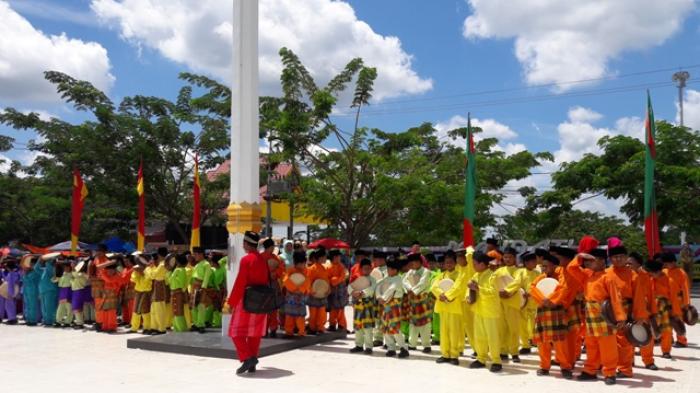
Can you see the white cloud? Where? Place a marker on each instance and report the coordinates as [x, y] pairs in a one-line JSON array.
[[561, 40], [691, 110], [25, 53], [325, 34], [579, 136]]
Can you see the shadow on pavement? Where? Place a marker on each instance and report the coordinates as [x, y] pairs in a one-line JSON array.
[[268, 373]]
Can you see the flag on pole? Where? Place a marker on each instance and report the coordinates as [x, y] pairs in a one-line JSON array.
[[80, 192], [141, 236], [651, 219], [469, 187], [194, 239]]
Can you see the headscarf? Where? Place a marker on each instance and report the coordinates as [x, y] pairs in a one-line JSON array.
[[288, 257]]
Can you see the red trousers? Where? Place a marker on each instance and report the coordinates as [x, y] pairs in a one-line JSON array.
[[561, 353], [317, 319], [337, 317], [291, 322], [545, 351], [273, 322], [601, 351], [109, 321], [247, 347], [625, 353], [127, 310]]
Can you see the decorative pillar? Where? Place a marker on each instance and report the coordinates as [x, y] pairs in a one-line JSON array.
[[243, 210]]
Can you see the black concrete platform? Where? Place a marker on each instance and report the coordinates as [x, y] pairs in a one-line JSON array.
[[213, 344]]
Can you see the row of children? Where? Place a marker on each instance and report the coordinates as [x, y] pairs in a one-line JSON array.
[[499, 308], [151, 293]]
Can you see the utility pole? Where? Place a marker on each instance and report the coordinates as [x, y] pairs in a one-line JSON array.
[[680, 77]]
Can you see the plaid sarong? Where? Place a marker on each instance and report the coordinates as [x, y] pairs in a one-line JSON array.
[[363, 314], [405, 308], [97, 286], [295, 304], [575, 314], [142, 303], [111, 299], [391, 318], [420, 310], [550, 324], [158, 292], [663, 317], [315, 302], [178, 298], [596, 325], [338, 298]]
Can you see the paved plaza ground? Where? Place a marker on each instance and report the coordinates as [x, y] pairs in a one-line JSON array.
[[55, 361]]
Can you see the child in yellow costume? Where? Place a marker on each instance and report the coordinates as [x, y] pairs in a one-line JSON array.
[[158, 273], [510, 306], [487, 315], [523, 280], [465, 268], [448, 305], [142, 302]]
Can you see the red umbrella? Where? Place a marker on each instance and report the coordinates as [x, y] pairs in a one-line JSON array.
[[329, 243]]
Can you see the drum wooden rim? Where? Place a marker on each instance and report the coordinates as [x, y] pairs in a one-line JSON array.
[[320, 288]]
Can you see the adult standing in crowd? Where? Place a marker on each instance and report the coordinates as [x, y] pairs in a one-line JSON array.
[[246, 329]]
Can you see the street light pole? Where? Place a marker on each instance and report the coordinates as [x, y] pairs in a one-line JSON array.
[[680, 77]]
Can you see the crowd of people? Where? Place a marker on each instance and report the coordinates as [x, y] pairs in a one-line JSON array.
[[147, 293], [494, 300]]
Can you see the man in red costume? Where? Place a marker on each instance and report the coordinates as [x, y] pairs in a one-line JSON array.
[[246, 329]]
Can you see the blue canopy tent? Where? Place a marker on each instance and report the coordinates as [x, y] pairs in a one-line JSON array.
[[115, 244], [65, 246]]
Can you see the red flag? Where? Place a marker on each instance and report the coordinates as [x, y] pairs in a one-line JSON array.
[[142, 210], [194, 239], [80, 192]]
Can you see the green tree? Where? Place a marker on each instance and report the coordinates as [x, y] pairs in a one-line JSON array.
[[108, 147], [618, 172]]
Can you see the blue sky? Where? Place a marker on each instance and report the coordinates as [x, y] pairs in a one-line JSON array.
[[433, 67]]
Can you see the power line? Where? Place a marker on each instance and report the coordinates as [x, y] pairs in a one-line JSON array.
[[520, 100], [537, 86]]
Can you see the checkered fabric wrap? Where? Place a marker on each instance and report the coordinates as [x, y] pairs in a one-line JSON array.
[[338, 298], [596, 325], [378, 312], [315, 302], [391, 318], [575, 314], [431, 301], [663, 317], [405, 308], [420, 310], [295, 304], [550, 324], [363, 314]]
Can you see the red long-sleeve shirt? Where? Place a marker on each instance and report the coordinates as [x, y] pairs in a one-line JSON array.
[[253, 271]]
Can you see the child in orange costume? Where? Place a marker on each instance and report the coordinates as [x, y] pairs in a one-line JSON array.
[[633, 302], [550, 322], [113, 284], [338, 298], [317, 306], [295, 298], [682, 293], [567, 351], [642, 284], [667, 305], [601, 341]]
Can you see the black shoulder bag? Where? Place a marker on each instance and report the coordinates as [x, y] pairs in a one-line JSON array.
[[262, 299]]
